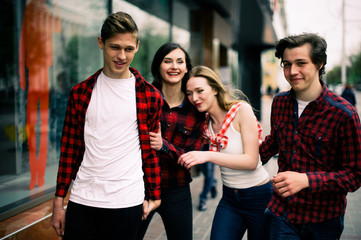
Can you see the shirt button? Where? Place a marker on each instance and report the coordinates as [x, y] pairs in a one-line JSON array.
[[294, 151], [168, 125], [166, 137], [170, 112]]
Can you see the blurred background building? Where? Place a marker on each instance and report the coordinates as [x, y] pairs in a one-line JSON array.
[[234, 37]]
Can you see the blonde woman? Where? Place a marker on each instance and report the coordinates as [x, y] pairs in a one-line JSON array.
[[234, 135]]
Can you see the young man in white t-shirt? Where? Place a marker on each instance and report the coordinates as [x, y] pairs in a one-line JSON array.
[[105, 145]]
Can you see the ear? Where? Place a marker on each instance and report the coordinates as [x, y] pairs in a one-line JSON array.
[[100, 43], [215, 92], [137, 47], [321, 66]]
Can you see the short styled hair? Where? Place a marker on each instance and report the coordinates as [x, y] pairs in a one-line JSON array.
[[318, 48], [119, 22]]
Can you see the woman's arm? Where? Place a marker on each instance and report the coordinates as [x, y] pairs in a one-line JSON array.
[[244, 122]]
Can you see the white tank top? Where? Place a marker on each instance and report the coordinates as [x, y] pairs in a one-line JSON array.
[[239, 179], [111, 175]]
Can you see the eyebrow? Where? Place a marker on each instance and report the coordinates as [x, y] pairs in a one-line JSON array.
[[297, 60], [180, 58]]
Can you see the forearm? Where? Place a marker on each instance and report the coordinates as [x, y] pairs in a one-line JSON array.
[[234, 161]]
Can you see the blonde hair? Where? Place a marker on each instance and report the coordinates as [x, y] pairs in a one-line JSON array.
[[225, 97]]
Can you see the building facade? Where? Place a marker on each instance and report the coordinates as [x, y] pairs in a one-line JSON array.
[[49, 46]]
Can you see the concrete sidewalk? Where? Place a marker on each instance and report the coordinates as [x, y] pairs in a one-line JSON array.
[[202, 221]]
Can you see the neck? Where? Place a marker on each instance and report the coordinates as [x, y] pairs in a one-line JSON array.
[[173, 94], [311, 93], [217, 115]]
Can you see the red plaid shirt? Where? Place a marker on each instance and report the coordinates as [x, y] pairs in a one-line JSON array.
[[324, 143], [182, 129], [149, 101]]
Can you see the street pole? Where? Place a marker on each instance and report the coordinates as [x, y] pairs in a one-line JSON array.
[[343, 68]]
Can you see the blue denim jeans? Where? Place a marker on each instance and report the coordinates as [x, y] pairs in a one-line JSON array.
[[280, 229], [240, 210]]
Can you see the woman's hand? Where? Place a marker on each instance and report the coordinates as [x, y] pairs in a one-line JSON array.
[[193, 158], [156, 141]]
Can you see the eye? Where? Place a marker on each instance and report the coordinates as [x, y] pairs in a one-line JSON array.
[[115, 47], [188, 93], [129, 49], [286, 65], [300, 64], [200, 90]]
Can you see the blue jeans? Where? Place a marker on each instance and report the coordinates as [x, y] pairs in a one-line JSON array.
[[240, 210], [280, 229], [208, 172]]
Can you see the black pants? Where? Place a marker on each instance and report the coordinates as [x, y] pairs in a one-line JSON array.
[[86, 223], [176, 212]]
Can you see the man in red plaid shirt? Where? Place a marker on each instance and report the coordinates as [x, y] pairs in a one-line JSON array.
[[106, 145], [318, 138]]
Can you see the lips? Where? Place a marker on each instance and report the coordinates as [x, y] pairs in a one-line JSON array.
[[173, 74], [198, 105], [119, 64]]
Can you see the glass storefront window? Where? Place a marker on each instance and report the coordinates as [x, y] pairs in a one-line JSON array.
[[53, 46]]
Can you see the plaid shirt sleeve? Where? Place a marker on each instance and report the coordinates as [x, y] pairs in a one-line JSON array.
[[269, 147], [190, 126], [149, 105], [72, 142], [71, 145]]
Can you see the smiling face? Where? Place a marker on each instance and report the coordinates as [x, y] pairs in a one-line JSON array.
[[118, 52], [173, 67], [301, 73], [201, 94]]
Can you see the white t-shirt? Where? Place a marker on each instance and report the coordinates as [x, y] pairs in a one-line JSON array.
[[111, 175], [301, 106]]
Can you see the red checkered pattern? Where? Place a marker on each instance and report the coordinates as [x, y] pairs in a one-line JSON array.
[[149, 102], [219, 141]]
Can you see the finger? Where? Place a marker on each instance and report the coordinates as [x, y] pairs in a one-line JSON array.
[[145, 210], [160, 129], [62, 229]]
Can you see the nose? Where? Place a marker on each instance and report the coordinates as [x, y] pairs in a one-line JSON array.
[[293, 69], [194, 97], [121, 54], [174, 65]]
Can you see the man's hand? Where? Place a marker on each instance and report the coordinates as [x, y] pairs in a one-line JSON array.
[[289, 183], [58, 217], [149, 206], [156, 141]]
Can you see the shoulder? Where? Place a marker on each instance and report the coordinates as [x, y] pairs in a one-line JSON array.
[[245, 114], [144, 86], [332, 100], [86, 84]]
